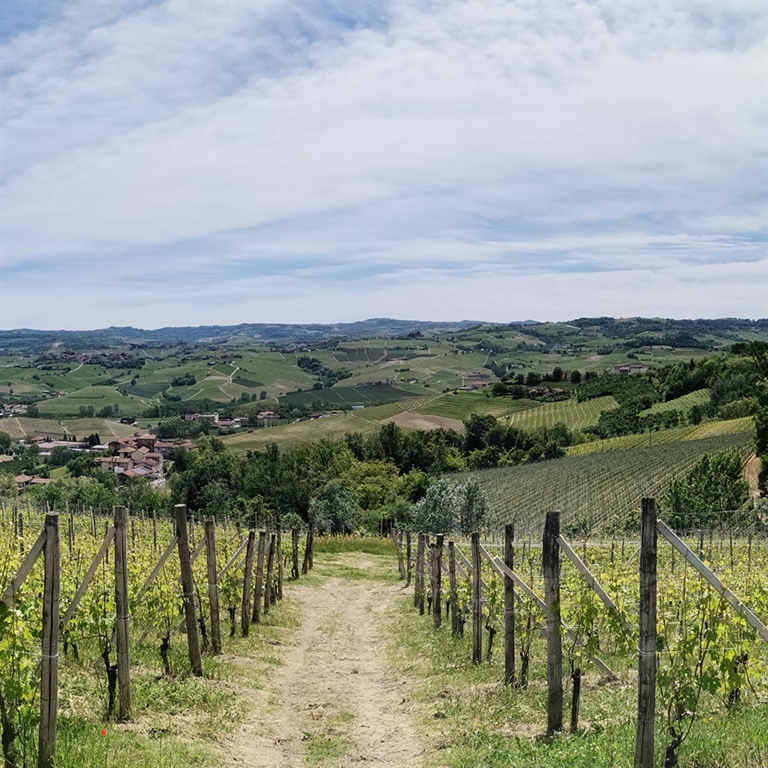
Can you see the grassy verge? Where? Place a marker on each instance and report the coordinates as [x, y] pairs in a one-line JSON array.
[[470, 720]]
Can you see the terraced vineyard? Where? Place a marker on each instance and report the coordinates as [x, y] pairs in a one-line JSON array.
[[684, 403], [573, 414], [665, 436], [600, 488]]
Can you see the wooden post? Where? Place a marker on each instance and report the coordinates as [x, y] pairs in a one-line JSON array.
[[121, 610], [245, 609], [477, 602], [550, 562], [646, 665], [213, 583], [509, 606], [311, 546], [408, 555], [398, 551], [256, 617], [749, 552], [295, 553], [188, 590], [453, 591], [437, 580], [70, 533], [418, 592], [21, 532], [279, 556], [49, 663], [268, 586], [154, 531]]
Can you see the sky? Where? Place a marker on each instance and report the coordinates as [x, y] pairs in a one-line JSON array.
[[195, 162]]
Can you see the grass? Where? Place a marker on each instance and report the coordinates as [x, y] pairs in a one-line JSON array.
[[684, 403]]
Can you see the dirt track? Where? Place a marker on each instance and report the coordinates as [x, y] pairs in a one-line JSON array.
[[334, 699]]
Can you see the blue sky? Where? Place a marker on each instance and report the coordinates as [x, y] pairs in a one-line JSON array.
[[185, 162]]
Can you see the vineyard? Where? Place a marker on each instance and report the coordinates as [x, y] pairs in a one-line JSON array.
[[568, 633], [597, 487], [573, 414], [130, 619]]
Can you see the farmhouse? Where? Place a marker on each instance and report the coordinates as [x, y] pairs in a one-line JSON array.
[[473, 380], [628, 370]]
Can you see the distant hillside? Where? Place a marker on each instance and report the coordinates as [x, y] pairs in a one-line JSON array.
[[25, 340]]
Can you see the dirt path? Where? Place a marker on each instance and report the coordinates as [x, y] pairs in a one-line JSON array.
[[334, 701]]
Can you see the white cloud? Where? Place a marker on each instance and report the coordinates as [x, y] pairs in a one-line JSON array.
[[194, 136]]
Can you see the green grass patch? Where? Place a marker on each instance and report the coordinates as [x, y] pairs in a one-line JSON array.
[[370, 545]]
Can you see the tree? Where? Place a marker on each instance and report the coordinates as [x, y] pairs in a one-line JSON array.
[[5, 442], [576, 376], [712, 493]]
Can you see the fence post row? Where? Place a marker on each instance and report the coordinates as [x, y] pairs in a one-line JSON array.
[[245, 608], [646, 665]]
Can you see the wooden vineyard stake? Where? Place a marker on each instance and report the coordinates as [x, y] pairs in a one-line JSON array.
[[294, 553], [646, 663], [707, 574], [418, 593], [268, 586], [509, 606], [245, 608], [154, 531], [437, 578], [121, 610], [408, 555], [453, 591], [307, 564], [213, 583], [551, 567], [477, 602], [399, 551], [25, 567], [49, 662], [279, 556], [188, 590], [256, 617]]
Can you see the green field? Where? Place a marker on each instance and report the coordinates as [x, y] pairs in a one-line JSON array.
[[573, 414], [107, 429], [98, 397], [684, 403], [462, 404], [665, 436], [340, 396], [603, 489]]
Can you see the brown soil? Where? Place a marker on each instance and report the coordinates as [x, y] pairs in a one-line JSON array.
[[334, 685], [415, 420]]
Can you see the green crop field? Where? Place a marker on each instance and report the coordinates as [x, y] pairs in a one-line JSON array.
[[665, 436], [98, 397], [603, 489], [107, 429], [573, 414], [684, 403], [462, 404], [347, 396]]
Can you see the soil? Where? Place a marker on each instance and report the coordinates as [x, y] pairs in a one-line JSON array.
[[415, 420], [334, 685]]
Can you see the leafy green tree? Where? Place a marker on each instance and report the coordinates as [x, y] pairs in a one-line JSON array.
[[5, 442], [712, 493], [335, 511]]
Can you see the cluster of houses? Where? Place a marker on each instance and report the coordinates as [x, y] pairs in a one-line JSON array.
[[141, 456], [13, 409]]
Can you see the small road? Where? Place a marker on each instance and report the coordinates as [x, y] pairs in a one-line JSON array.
[[336, 703]]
